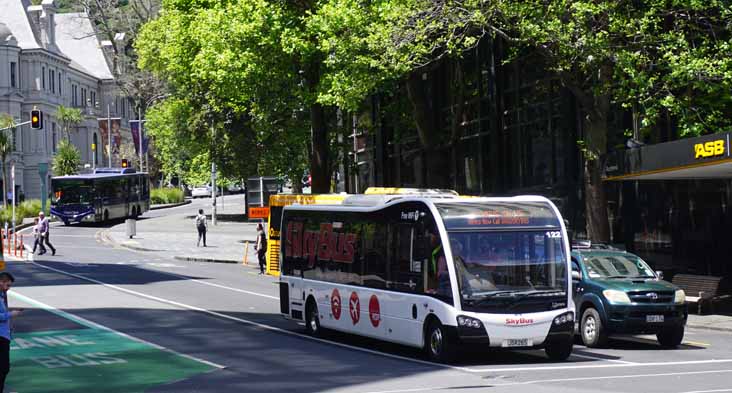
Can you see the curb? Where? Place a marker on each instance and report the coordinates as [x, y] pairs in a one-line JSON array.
[[211, 260], [712, 328], [170, 205]]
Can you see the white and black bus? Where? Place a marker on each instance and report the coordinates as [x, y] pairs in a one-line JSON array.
[[431, 272]]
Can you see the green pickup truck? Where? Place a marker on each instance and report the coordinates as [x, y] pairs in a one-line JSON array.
[[616, 292]]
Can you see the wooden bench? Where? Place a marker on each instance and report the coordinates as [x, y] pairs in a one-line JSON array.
[[702, 289]]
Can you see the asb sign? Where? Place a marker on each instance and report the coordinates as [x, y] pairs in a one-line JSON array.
[[709, 149]]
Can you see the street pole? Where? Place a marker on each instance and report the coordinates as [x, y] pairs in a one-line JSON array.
[[213, 175], [109, 136], [139, 134], [12, 176], [142, 123]]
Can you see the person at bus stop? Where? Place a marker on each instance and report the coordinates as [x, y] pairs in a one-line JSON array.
[[202, 226], [6, 281], [261, 247], [37, 240], [44, 230]]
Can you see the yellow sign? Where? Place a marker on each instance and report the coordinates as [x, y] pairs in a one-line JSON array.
[[709, 149], [258, 212]]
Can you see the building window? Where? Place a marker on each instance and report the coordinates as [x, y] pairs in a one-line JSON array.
[[93, 95], [43, 78], [53, 136], [96, 149], [74, 95], [12, 74], [83, 97], [52, 80], [124, 108], [59, 84]]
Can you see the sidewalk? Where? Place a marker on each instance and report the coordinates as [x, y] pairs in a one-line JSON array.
[[710, 322], [174, 233]]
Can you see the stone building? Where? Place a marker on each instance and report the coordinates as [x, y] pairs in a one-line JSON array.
[[49, 59]]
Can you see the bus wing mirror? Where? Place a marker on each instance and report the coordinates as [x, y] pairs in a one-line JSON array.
[[576, 276]]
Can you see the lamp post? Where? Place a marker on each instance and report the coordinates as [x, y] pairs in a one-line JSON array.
[[141, 121]]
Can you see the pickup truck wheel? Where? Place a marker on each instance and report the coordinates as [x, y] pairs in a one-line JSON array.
[[591, 329], [671, 337]]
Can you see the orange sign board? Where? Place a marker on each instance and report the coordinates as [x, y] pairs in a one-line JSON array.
[[258, 212]]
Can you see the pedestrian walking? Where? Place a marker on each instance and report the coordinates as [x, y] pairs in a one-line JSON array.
[[6, 281], [202, 226], [37, 240], [45, 228], [261, 247]]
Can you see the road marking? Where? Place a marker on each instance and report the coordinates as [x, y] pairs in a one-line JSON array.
[[94, 325], [572, 367], [614, 363], [496, 385], [696, 343]]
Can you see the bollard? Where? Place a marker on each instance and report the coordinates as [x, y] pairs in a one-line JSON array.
[[22, 245], [246, 253]]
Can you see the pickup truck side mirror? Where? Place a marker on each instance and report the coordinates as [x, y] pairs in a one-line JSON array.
[[576, 276], [659, 274]]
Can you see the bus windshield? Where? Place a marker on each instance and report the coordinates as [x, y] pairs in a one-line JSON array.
[[501, 264], [72, 192]]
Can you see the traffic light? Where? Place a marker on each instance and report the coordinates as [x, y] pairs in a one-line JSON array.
[[36, 119], [125, 163]]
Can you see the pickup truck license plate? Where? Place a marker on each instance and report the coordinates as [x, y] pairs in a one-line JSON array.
[[517, 342], [654, 318]]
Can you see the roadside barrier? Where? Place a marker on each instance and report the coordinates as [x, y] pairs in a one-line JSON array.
[[246, 253]]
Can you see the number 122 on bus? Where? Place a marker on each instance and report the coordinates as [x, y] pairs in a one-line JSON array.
[[432, 272]]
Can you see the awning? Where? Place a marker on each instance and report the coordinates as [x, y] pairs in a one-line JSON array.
[[704, 157]]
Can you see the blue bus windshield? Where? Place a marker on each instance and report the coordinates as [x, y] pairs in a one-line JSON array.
[[72, 191]]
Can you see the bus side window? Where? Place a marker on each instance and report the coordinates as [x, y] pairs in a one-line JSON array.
[[405, 272]]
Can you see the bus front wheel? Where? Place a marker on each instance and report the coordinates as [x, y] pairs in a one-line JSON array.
[[559, 350], [438, 345], [312, 318]]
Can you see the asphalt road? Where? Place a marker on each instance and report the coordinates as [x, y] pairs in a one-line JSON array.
[[124, 321]]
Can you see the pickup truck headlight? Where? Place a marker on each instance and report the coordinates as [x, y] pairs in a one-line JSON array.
[[679, 296], [616, 297]]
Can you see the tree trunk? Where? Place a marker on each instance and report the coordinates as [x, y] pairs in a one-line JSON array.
[[597, 223], [417, 95], [319, 167]]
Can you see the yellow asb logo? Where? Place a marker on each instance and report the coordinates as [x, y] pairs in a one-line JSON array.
[[709, 149]]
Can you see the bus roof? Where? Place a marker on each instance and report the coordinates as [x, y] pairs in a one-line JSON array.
[[375, 202], [306, 199]]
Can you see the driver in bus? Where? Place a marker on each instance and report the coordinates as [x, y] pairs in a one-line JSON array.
[[438, 279]]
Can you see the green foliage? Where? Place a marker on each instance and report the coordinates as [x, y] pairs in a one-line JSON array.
[[26, 209], [68, 117], [67, 160], [159, 196]]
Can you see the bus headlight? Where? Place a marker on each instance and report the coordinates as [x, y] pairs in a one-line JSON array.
[[564, 318], [469, 322], [616, 297], [679, 296]]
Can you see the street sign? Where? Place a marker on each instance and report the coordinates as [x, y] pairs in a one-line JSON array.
[[259, 212]]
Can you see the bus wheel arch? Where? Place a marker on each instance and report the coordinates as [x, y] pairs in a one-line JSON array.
[[439, 345], [312, 318]]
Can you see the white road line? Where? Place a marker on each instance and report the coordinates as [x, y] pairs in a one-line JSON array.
[[573, 367], [92, 324], [710, 391], [534, 382], [245, 321]]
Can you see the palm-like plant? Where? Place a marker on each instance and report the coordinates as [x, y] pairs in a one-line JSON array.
[[68, 117], [67, 159], [6, 147]]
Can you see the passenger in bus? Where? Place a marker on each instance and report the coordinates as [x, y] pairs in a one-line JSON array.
[[438, 277]]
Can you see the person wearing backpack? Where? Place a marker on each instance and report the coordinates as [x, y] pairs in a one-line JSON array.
[[261, 247], [202, 227]]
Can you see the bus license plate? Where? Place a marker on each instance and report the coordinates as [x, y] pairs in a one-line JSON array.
[[517, 342], [654, 318]]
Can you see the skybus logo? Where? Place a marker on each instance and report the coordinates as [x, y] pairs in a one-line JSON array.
[[518, 321], [326, 244]]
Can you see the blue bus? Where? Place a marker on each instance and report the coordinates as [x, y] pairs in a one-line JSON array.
[[105, 194]]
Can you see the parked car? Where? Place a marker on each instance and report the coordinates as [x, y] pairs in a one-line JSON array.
[[201, 192], [234, 189], [616, 292]]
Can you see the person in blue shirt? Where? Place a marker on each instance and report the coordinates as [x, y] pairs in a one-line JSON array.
[[6, 281]]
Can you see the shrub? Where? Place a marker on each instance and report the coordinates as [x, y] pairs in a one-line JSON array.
[[29, 208], [161, 196]]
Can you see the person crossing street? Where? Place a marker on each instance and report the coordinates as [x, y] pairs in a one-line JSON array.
[[44, 232], [261, 247]]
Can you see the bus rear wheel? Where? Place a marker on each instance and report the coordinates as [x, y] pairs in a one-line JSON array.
[[312, 319], [438, 345]]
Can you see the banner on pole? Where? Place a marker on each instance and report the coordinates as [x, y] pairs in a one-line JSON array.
[[135, 128], [116, 136]]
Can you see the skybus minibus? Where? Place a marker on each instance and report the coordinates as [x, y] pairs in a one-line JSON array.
[[431, 272]]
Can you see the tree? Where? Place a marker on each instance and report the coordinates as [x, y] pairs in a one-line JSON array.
[[68, 117], [6, 147], [67, 160], [275, 68]]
